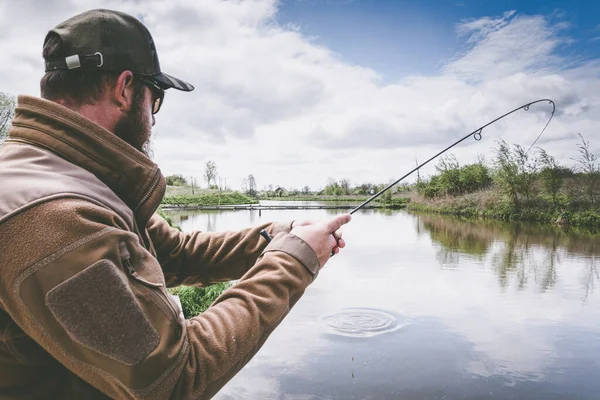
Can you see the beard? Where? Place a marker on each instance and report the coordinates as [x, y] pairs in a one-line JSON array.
[[134, 128]]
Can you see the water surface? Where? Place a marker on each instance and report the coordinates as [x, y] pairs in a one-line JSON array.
[[430, 307]]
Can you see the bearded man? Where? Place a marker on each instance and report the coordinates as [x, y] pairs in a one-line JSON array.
[[85, 261]]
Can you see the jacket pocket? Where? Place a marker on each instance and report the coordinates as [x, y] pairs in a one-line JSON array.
[[155, 291]]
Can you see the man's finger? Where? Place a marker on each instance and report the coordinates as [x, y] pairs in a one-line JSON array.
[[335, 223]]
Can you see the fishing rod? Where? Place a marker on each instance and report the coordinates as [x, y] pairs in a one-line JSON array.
[[476, 135]]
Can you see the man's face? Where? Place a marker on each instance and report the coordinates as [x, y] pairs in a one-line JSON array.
[[136, 126]]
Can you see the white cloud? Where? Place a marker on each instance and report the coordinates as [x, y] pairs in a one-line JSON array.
[[273, 102]]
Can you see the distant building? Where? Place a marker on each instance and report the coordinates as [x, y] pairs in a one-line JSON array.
[[280, 192]]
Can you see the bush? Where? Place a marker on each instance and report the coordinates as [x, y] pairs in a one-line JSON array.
[[453, 180], [176, 180]]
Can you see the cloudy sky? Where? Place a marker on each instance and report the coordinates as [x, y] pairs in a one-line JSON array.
[[297, 92]]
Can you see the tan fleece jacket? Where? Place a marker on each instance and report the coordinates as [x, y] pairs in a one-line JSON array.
[[85, 262]]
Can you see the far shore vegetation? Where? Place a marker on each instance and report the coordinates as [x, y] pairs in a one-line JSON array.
[[516, 185]]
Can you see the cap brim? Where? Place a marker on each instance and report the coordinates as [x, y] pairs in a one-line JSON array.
[[166, 81]]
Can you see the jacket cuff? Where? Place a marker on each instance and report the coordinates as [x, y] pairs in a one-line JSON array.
[[278, 227], [297, 248]]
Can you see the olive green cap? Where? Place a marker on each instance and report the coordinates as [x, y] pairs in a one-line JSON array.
[[107, 40]]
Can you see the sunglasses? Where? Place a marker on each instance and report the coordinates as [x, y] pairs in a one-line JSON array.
[[158, 95]]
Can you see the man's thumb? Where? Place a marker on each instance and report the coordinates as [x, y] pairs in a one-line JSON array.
[[336, 222]]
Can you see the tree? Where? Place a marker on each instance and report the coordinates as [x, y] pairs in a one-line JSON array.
[[527, 171], [365, 188], [306, 190], [588, 165], [507, 173], [7, 112], [333, 188], [345, 186], [251, 182], [449, 178], [387, 195], [551, 174], [176, 180], [193, 183], [210, 172]]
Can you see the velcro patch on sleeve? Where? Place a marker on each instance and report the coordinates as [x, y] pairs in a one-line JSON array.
[[98, 310]]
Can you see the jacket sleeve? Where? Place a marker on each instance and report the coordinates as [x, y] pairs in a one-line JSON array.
[[204, 258], [89, 293]]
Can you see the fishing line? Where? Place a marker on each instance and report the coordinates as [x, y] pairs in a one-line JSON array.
[[477, 135]]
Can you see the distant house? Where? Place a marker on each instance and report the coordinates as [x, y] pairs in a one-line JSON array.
[[280, 192]]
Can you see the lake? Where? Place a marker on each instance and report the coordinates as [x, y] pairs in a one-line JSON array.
[[431, 307]]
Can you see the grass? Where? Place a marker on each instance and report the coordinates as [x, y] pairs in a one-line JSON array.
[[490, 204], [317, 198], [210, 199], [196, 300]]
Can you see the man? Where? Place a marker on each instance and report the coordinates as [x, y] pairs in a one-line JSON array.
[[84, 259]]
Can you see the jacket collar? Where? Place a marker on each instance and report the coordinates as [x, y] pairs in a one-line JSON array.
[[130, 174]]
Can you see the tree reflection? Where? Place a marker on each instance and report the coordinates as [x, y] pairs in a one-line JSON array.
[[590, 278], [456, 238], [508, 260], [523, 255]]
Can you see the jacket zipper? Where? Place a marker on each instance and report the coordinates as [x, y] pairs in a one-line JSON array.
[[150, 288], [149, 192]]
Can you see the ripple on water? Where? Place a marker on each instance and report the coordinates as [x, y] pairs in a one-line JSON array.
[[361, 322]]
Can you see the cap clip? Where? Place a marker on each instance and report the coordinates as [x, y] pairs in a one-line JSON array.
[[73, 62], [101, 59]]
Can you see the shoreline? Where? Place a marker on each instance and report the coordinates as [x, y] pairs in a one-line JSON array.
[[212, 202], [189, 207], [561, 217]]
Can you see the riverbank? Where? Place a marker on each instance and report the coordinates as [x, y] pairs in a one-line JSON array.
[[353, 201], [489, 204], [236, 200], [210, 199], [324, 198]]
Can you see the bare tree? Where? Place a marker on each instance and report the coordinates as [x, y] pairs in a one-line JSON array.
[[193, 183], [251, 185], [210, 172], [345, 186]]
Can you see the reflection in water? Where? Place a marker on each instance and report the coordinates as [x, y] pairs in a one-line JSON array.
[[590, 277], [519, 252], [512, 314], [359, 322]]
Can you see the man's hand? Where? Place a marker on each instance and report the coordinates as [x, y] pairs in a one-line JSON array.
[[324, 237]]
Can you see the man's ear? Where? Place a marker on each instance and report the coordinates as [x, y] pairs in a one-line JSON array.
[[123, 92]]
